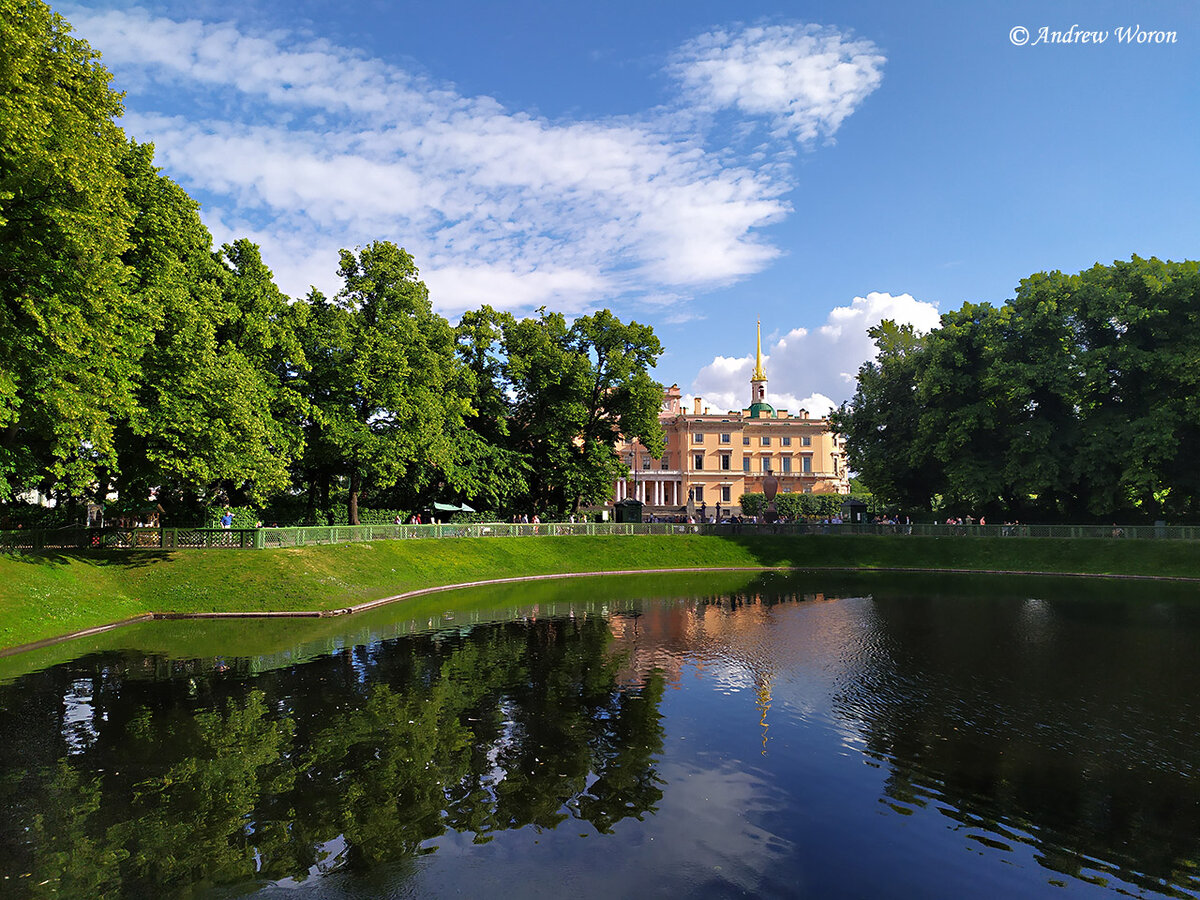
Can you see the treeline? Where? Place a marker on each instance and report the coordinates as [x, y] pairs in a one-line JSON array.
[[136, 357], [1079, 399]]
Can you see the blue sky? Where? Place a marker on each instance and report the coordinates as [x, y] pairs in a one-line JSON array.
[[695, 166]]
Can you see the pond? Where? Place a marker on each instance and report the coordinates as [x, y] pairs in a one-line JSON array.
[[705, 735]]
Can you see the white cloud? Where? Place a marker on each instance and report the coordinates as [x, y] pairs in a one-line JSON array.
[[822, 362], [306, 146], [805, 78]]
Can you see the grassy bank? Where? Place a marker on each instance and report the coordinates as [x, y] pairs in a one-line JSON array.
[[44, 596]]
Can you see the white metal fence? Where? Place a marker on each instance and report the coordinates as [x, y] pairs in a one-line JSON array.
[[263, 538]]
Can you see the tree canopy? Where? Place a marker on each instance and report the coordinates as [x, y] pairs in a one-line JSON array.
[[136, 357], [554, 399], [1079, 398], [70, 333]]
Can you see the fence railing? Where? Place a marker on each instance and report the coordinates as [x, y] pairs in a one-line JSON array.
[[264, 538]]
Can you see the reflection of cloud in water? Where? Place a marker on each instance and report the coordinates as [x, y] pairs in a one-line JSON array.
[[721, 851], [79, 716], [1036, 621], [721, 842], [726, 674]]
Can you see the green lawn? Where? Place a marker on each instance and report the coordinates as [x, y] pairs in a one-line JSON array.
[[46, 595]]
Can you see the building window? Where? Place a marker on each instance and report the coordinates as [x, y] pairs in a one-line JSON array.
[[645, 463], [787, 441], [806, 441], [806, 463], [766, 440], [745, 464], [699, 492], [745, 440], [698, 458], [835, 471], [725, 493], [766, 464], [697, 438], [787, 464], [808, 490], [665, 464], [725, 462], [725, 439]]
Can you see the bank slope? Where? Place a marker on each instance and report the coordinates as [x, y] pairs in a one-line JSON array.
[[43, 596]]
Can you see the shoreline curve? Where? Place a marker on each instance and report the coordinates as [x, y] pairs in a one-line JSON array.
[[419, 592]]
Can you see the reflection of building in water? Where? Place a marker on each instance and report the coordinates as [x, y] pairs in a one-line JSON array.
[[736, 643]]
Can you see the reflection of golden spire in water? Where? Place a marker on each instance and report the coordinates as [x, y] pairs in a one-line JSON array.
[[762, 687]]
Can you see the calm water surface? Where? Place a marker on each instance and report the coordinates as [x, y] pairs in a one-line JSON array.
[[708, 737]]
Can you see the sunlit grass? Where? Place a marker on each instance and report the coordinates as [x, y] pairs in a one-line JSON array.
[[43, 596]]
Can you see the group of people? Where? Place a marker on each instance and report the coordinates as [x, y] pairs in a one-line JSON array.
[[969, 520]]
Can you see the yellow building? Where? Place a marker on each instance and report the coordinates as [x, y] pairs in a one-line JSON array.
[[714, 458]]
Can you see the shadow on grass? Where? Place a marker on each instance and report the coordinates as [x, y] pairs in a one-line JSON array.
[[1100, 558], [125, 559]]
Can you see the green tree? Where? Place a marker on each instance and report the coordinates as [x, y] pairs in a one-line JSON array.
[[70, 334], [881, 421], [575, 390], [552, 400], [1078, 398], [216, 411], [385, 387]]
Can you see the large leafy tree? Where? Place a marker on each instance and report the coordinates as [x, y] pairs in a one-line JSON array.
[[557, 397], [70, 334], [217, 413], [1080, 397], [881, 422], [385, 387]]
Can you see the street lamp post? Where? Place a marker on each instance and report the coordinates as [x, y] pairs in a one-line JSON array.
[[631, 458]]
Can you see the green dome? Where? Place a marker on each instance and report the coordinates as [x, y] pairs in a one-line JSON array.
[[757, 410]]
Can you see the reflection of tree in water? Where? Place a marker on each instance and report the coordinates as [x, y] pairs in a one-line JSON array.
[[1053, 725], [195, 780]]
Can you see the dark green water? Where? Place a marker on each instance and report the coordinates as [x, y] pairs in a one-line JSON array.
[[707, 737]]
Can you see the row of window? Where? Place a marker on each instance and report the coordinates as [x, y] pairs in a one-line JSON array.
[[725, 465], [765, 440], [698, 493]]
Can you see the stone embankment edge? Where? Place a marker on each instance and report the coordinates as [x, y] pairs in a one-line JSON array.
[[418, 592]]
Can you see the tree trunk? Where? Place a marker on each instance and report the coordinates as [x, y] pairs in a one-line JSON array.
[[355, 487]]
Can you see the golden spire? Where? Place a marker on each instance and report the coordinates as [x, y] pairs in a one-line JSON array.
[[759, 374]]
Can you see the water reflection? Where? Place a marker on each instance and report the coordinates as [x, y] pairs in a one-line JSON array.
[[1066, 725], [853, 737], [345, 763]]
